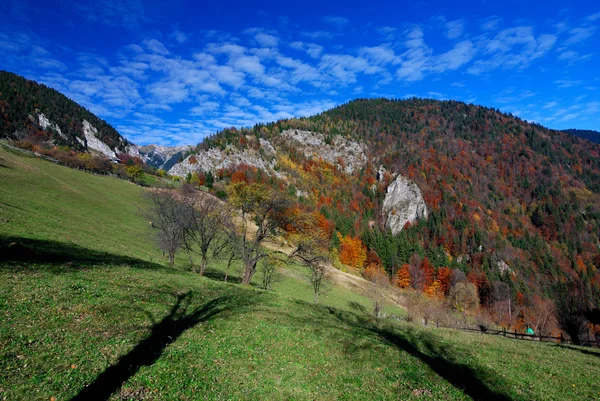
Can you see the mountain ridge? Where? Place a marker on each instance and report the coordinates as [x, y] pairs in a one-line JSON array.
[[590, 135]]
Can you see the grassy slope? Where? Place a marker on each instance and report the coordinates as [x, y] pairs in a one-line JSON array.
[[64, 323]]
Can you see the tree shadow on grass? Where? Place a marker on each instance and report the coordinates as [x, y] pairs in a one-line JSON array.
[[59, 256], [162, 334], [591, 351], [357, 307], [218, 275], [423, 346], [11, 206]]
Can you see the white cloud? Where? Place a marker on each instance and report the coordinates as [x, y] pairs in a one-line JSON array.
[[567, 83], [317, 35], [266, 40], [387, 32], [418, 60], [455, 58], [230, 49], [156, 47], [512, 48], [204, 108], [179, 37], [379, 54], [338, 22], [346, 67], [580, 34], [248, 64], [454, 29], [491, 23], [313, 50]]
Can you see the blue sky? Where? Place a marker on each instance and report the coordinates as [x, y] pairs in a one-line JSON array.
[[172, 72]]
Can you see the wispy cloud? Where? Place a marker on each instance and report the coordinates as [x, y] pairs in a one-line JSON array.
[[337, 21]]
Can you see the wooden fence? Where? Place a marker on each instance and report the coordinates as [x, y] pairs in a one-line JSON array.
[[590, 341]]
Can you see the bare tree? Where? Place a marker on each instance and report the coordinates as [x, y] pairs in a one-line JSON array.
[[310, 253], [232, 249], [420, 307], [263, 213], [206, 223], [483, 320], [540, 317], [458, 276], [381, 282], [502, 302], [320, 279], [417, 275], [268, 268], [165, 213]]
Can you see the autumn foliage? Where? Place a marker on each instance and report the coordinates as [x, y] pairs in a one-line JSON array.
[[352, 251], [403, 276]]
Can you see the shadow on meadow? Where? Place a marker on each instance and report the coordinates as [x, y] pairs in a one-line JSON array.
[[589, 351], [234, 276], [59, 256], [162, 334], [439, 357]]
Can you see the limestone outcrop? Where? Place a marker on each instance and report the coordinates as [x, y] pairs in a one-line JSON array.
[[403, 203]]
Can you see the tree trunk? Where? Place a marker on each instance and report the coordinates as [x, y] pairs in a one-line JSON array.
[[248, 273], [574, 337], [202, 266]]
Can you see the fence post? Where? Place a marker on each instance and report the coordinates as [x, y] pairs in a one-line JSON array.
[[588, 338], [516, 334], [562, 340]]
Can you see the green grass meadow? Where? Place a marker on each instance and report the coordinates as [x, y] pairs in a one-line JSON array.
[[90, 310]]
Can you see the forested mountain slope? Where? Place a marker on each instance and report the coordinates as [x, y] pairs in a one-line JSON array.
[[509, 201], [590, 135], [28, 108]]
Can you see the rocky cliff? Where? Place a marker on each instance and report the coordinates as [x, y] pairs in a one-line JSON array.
[[348, 155], [403, 203]]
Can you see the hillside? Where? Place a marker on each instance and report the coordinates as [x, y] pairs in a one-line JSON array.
[[507, 201], [111, 317], [31, 109], [590, 135]]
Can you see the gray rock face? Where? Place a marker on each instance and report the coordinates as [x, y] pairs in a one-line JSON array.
[[313, 144], [215, 159], [164, 157], [503, 266], [403, 203]]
